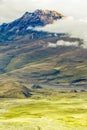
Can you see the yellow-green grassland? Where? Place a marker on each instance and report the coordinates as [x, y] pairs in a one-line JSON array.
[[47, 109]]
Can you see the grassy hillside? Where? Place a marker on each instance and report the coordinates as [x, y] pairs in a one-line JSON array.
[[9, 89], [36, 62]]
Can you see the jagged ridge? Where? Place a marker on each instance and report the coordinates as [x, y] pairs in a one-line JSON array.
[[23, 26]]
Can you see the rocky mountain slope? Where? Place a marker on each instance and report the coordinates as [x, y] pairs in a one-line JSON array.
[[23, 28], [27, 58]]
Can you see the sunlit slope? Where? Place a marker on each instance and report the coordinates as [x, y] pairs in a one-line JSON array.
[[9, 89]]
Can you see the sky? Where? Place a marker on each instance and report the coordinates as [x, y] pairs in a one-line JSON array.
[[12, 9]]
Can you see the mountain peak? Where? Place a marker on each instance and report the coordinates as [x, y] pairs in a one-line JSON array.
[[29, 20], [41, 17], [48, 12], [37, 18]]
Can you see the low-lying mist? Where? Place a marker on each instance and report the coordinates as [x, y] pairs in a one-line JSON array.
[[62, 43], [74, 27]]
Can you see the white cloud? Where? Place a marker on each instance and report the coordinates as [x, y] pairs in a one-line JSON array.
[[74, 27], [83, 20], [62, 43]]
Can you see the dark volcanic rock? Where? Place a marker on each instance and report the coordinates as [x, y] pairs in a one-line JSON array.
[[24, 25], [22, 30]]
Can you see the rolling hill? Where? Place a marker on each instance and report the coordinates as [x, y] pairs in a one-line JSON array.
[[10, 89]]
